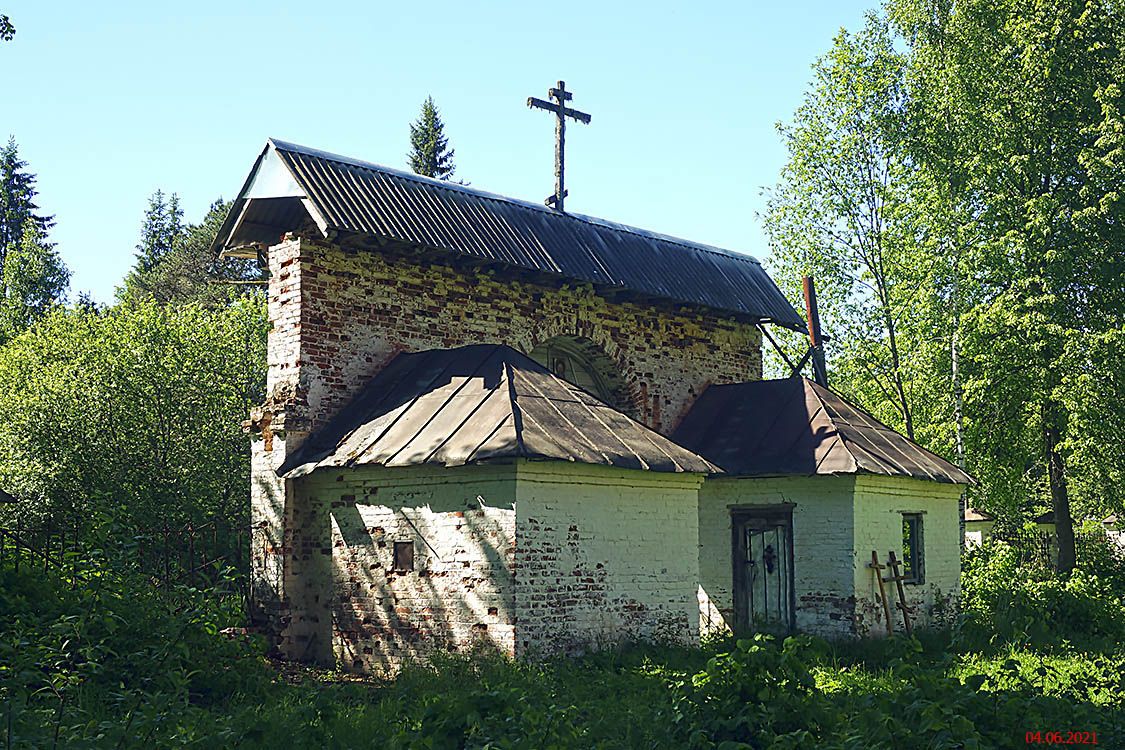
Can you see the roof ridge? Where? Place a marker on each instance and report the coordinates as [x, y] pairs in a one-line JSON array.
[[881, 426], [517, 411], [489, 195], [846, 443]]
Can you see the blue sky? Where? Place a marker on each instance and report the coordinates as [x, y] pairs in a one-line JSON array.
[[110, 101]]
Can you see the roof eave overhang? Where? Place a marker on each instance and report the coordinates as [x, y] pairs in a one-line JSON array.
[[269, 179]]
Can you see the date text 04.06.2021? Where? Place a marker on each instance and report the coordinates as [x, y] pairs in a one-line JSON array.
[[1062, 738]]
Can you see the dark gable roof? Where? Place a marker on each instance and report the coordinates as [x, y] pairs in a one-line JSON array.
[[290, 183], [795, 427], [475, 403]]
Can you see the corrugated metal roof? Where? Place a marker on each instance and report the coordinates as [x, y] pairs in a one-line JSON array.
[[475, 403], [347, 195], [794, 426]]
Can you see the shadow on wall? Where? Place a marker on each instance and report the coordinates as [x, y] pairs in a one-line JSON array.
[[267, 544], [420, 574]]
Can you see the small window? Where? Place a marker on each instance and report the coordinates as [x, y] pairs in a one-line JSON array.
[[404, 556], [913, 564]]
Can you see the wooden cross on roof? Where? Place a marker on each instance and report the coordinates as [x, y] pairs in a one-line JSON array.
[[561, 97]]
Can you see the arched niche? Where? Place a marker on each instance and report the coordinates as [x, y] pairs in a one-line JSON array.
[[585, 364]]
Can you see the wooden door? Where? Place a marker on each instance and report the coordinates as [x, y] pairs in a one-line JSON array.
[[763, 569]]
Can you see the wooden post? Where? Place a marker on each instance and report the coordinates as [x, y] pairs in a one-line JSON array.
[[882, 590], [191, 554], [892, 562], [816, 339]]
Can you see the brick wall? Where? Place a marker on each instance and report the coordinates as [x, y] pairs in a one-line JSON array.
[[604, 556], [337, 316], [370, 616], [879, 505], [358, 308], [527, 558], [823, 573], [270, 534]]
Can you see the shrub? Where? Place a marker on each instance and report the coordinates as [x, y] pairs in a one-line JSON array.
[[94, 656], [1006, 601], [755, 691]]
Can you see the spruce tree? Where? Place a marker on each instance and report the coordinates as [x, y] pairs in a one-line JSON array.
[[17, 202], [430, 154], [33, 277], [189, 272], [162, 230]]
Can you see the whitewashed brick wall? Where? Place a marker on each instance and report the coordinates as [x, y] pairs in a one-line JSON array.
[[822, 548], [604, 556], [531, 558], [880, 503], [461, 522]]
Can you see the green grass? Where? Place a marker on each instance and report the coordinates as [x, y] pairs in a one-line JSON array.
[[114, 663]]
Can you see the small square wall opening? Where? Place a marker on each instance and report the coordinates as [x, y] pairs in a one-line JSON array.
[[404, 556]]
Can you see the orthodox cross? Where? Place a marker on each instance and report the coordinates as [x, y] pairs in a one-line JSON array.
[[561, 97]]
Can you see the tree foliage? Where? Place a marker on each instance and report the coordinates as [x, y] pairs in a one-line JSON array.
[[843, 213], [1036, 130], [133, 412], [175, 264], [430, 154], [35, 281], [33, 278], [18, 209], [161, 231], [957, 191]]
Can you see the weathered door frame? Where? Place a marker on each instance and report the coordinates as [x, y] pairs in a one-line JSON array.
[[777, 513]]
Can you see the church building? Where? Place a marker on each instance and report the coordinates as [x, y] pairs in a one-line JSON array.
[[490, 421]]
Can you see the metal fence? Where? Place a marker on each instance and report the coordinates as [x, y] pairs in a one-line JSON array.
[[1040, 547], [199, 555]]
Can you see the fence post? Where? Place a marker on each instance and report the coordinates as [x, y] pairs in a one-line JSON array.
[[191, 553], [243, 577], [75, 542], [164, 525], [19, 536]]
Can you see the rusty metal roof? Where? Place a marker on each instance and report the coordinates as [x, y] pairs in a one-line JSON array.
[[476, 403], [794, 426], [290, 183]]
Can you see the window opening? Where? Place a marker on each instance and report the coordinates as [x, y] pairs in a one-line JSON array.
[[913, 563]]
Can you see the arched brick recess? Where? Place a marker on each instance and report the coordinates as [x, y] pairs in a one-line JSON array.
[[607, 377]]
